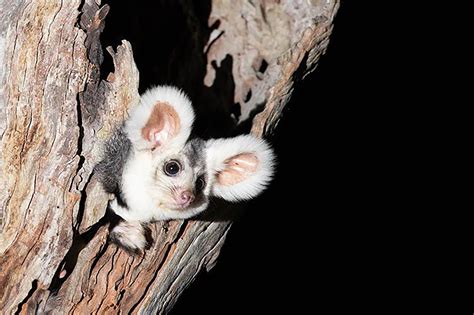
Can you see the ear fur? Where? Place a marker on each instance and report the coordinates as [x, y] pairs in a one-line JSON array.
[[162, 120], [242, 166]]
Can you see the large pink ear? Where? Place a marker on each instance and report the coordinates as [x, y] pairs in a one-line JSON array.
[[240, 167], [162, 120], [163, 125]]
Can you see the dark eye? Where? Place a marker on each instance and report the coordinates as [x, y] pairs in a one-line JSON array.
[[172, 168], [200, 183]]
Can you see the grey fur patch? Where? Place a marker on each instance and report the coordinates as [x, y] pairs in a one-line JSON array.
[[116, 153], [194, 151]]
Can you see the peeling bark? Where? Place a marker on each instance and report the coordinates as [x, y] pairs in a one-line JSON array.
[[55, 113]]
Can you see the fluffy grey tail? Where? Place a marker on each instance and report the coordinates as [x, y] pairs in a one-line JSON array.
[[131, 235]]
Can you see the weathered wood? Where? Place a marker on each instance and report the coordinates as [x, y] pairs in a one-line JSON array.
[[55, 112], [45, 67]]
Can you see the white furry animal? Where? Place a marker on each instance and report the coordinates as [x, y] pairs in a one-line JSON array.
[[156, 172]]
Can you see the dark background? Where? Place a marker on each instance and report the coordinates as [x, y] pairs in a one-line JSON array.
[[311, 240]]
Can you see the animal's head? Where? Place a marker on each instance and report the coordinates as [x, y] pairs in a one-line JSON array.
[[186, 172]]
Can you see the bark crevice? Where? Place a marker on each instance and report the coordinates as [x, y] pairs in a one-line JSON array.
[[34, 286]]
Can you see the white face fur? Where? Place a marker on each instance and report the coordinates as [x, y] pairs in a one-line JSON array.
[[181, 181], [168, 176]]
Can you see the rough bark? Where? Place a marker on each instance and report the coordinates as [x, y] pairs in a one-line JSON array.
[[55, 112]]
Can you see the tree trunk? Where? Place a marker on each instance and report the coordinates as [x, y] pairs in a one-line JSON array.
[[57, 108]]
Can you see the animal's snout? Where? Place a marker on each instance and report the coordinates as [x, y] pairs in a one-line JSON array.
[[184, 198]]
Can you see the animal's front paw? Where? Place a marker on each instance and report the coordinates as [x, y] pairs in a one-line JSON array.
[[129, 235]]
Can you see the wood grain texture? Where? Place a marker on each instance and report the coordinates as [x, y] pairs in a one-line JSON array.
[[55, 113], [45, 68]]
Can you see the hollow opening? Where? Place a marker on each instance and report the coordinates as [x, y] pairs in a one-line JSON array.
[[263, 66]]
